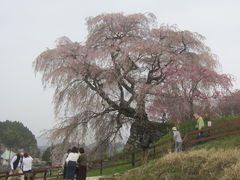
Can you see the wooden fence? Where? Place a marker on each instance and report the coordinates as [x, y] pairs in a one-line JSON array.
[[37, 173], [132, 158], [223, 129], [129, 158]]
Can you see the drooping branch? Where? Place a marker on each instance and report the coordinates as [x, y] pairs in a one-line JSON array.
[[125, 64]]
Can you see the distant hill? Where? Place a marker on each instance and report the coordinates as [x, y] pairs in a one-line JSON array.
[[14, 135]]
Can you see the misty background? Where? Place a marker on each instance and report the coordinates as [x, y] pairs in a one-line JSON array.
[[28, 27]]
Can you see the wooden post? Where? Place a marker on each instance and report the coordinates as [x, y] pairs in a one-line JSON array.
[[33, 175], [101, 167], [154, 152], [45, 175], [7, 173], [133, 159]]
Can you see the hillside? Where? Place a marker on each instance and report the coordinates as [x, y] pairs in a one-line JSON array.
[[225, 143], [212, 160], [14, 135], [193, 165], [187, 126]]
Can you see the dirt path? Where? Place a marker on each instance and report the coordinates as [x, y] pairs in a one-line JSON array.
[[93, 178], [100, 177]]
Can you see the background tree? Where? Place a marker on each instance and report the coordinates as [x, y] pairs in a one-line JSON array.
[[195, 90], [229, 105], [47, 155], [15, 135], [106, 82]]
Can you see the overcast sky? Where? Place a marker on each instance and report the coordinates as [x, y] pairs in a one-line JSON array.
[[28, 27]]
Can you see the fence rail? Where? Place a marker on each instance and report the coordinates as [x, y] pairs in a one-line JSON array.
[[44, 173], [211, 133]]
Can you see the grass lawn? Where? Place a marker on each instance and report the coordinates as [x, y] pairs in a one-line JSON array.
[[113, 170]]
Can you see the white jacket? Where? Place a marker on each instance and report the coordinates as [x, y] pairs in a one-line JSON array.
[[177, 136], [27, 163]]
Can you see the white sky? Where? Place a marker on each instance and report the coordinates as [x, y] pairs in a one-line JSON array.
[[28, 27]]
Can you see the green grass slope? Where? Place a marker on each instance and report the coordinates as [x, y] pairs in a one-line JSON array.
[[217, 159], [228, 142], [224, 142], [193, 165], [189, 125]]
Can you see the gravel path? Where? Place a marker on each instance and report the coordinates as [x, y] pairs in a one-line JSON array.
[[93, 178]]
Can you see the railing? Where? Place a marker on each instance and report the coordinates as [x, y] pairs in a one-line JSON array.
[[214, 132], [129, 158], [36, 173], [221, 130]]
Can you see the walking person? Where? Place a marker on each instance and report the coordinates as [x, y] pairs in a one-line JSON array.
[[82, 165], [64, 164], [72, 163], [145, 141], [199, 126], [16, 165], [177, 140], [27, 166]]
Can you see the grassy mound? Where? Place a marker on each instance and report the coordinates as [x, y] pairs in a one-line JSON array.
[[193, 165]]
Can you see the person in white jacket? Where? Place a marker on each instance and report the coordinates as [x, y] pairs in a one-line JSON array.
[[71, 162], [177, 139], [27, 166]]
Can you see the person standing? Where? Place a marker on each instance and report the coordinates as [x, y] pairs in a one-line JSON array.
[[16, 165], [82, 165], [145, 141], [64, 164], [199, 125], [177, 140], [72, 163], [27, 166]]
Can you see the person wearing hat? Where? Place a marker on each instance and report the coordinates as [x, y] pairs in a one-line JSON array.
[[177, 139]]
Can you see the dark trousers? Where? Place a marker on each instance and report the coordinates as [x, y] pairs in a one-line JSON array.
[[71, 169], [65, 171], [199, 136], [28, 175], [81, 172]]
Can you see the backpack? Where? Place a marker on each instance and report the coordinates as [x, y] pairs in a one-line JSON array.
[[145, 141]]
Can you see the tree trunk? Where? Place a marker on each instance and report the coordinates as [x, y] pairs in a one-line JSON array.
[[191, 109], [154, 129], [143, 125]]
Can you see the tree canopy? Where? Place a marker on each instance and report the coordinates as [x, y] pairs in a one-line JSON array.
[[229, 105], [47, 155], [128, 70], [15, 135]]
